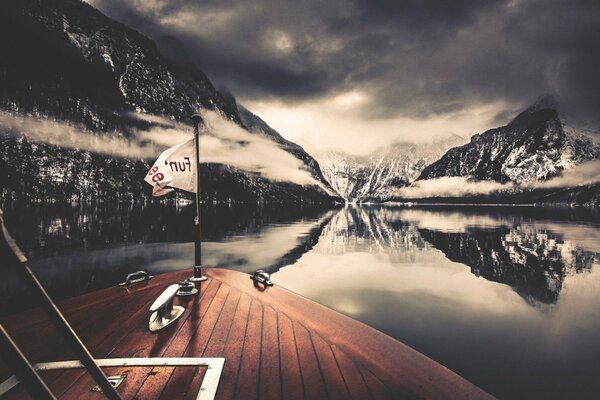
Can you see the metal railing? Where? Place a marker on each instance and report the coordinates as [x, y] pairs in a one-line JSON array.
[[10, 352]]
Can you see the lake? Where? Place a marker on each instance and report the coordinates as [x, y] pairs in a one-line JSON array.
[[508, 297]]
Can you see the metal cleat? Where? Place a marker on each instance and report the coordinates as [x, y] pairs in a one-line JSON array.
[[164, 313]]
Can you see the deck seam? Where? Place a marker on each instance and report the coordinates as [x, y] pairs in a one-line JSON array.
[[279, 350], [337, 364], [298, 356], [318, 361], [237, 304], [213, 327], [226, 339], [361, 375], [389, 392], [356, 363], [262, 330], [243, 344], [357, 366], [237, 380]]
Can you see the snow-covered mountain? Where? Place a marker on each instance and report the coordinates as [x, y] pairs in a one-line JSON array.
[[377, 175], [535, 146], [66, 61]]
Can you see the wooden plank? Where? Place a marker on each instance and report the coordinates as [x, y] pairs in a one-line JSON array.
[[377, 388], [220, 333], [291, 378], [52, 341], [26, 319], [248, 376], [270, 373], [312, 378], [199, 307], [354, 380], [233, 349], [155, 382], [334, 381], [180, 383]]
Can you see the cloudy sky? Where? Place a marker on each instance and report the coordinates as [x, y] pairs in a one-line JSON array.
[[355, 75]]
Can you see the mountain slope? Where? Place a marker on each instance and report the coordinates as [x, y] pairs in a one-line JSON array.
[[71, 60], [71, 63], [255, 124], [377, 175], [532, 147]]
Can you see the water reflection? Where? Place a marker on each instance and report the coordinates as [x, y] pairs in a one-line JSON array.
[[533, 261], [75, 249]]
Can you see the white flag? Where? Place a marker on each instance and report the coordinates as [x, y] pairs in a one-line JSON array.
[[174, 168]]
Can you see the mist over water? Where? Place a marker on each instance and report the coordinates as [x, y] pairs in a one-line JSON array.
[[507, 297], [222, 142]]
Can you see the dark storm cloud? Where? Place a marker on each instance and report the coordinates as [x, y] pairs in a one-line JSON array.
[[415, 58]]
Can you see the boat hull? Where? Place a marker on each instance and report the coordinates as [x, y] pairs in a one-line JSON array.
[[276, 344]]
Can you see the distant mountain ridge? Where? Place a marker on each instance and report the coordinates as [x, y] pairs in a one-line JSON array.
[[532, 147], [71, 63], [376, 176]]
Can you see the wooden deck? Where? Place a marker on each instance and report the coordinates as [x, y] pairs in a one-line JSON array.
[[276, 344]]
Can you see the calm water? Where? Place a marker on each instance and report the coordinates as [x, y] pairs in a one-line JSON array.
[[507, 297]]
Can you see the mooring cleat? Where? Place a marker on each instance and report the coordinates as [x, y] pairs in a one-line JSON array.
[[263, 277]]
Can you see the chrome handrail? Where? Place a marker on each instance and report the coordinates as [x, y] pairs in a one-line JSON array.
[[19, 262], [136, 277]]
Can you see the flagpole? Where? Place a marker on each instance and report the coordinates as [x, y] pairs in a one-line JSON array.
[[198, 277]]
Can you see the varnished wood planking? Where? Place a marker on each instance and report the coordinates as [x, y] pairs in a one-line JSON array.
[[291, 379], [200, 340], [113, 336], [270, 372], [354, 380], [139, 342], [312, 377], [378, 389], [402, 369], [51, 341], [232, 351], [276, 345], [180, 383], [201, 308], [334, 381], [248, 375], [184, 381]]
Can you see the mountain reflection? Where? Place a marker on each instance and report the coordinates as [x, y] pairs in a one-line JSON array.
[[51, 229], [532, 259], [76, 249], [533, 262]]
